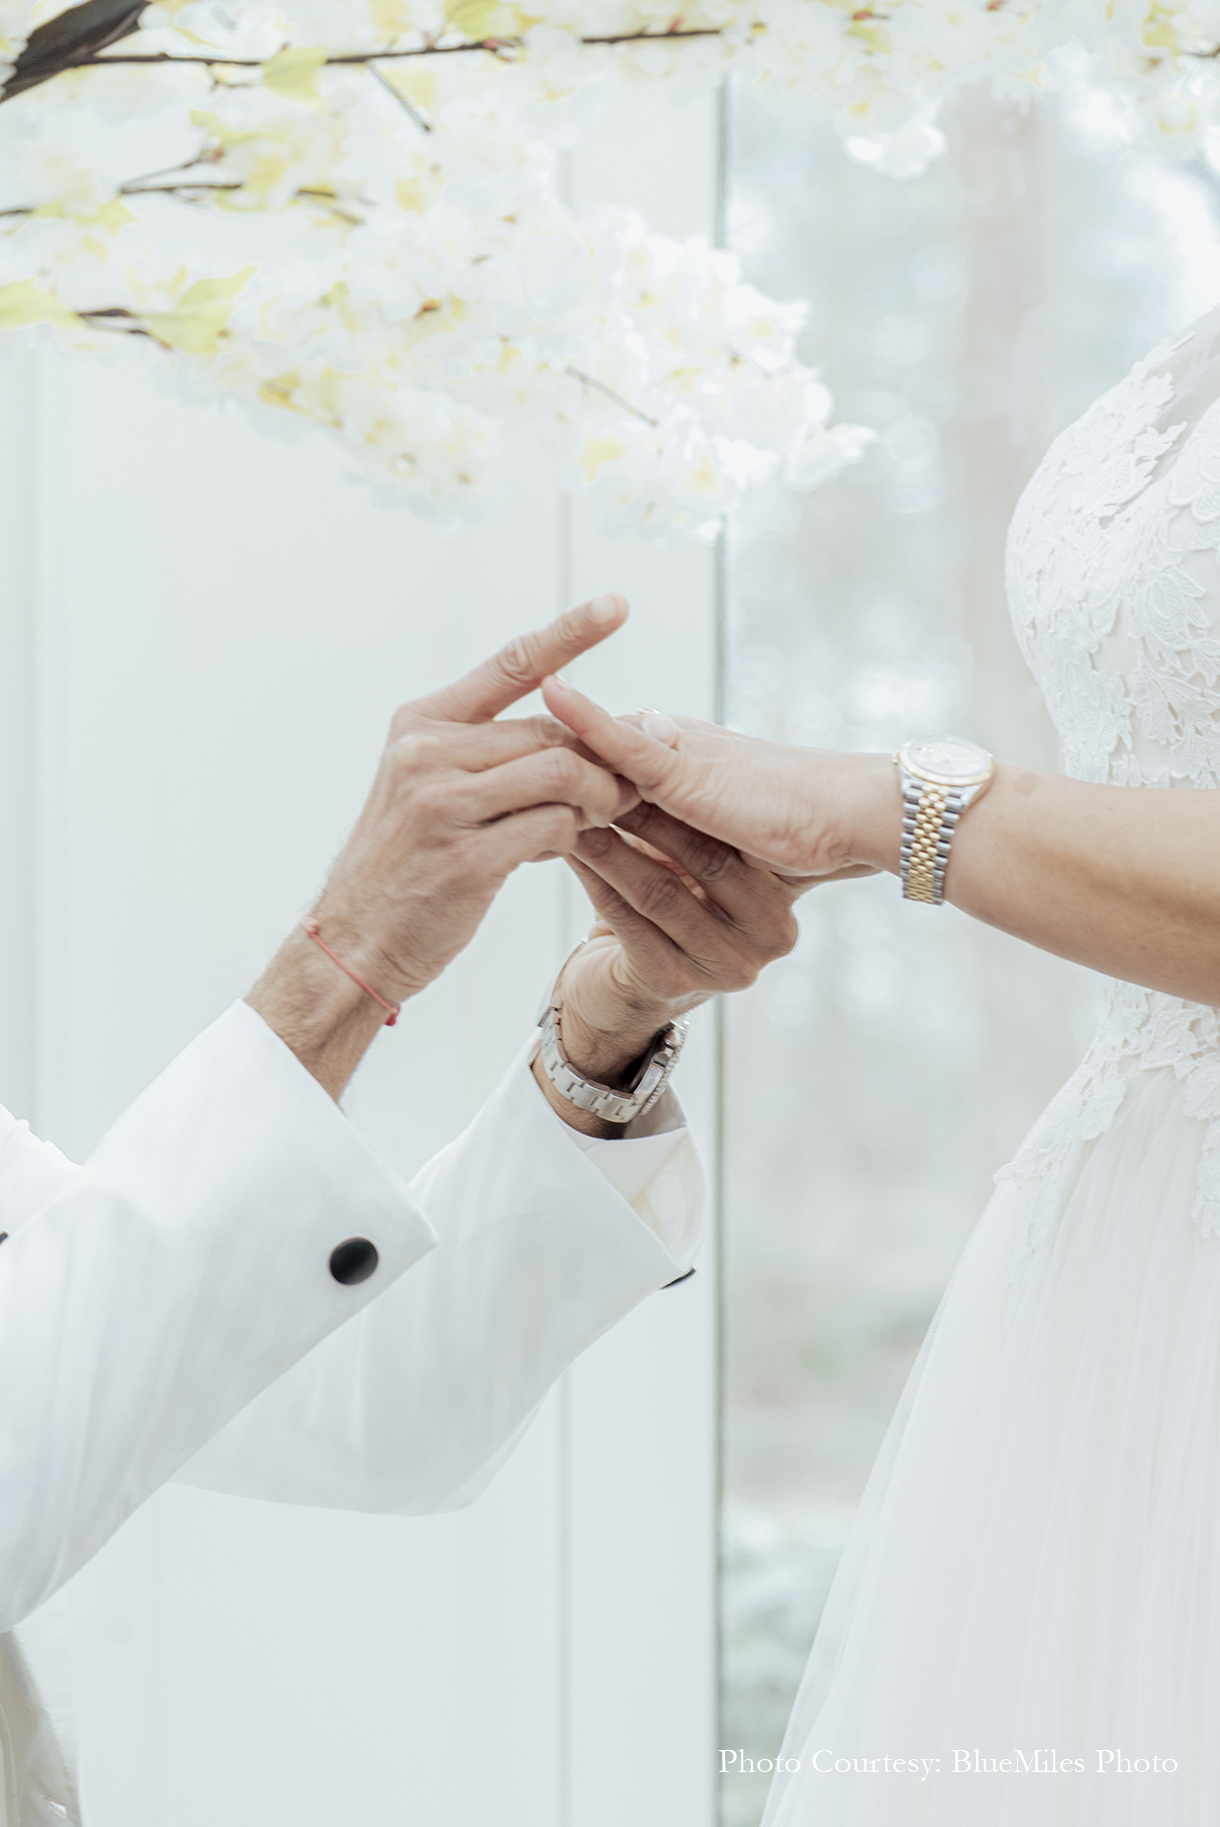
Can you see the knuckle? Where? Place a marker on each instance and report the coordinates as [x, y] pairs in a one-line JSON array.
[[401, 722], [596, 842], [788, 854], [658, 894], [517, 661], [548, 732], [413, 753], [561, 828], [561, 770], [787, 936], [710, 861]]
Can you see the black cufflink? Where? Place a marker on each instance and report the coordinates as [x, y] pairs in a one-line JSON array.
[[353, 1261], [676, 1280]]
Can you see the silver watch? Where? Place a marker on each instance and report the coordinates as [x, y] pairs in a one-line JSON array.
[[940, 776], [622, 1106]]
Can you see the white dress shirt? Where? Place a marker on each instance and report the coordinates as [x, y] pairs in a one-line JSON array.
[[168, 1311]]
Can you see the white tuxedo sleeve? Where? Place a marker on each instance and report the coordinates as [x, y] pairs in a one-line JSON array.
[[545, 1241], [149, 1297]]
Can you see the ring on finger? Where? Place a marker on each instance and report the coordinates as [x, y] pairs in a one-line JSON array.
[[671, 739]]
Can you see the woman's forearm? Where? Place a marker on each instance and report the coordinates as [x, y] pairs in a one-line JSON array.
[[1122, 879]]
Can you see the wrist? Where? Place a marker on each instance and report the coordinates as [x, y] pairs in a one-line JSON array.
[[345, 929], [585, 1121], [870, 811], [602, 1030], [607, 1050], [317, 1011], [621, 1076]]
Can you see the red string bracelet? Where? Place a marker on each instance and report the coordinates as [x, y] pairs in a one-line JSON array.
[[310, 926]]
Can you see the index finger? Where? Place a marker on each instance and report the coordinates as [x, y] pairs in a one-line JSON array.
[[620, 742], [520, 668]]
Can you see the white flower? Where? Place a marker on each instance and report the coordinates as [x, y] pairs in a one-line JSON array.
[[903, 154], [381, 249]]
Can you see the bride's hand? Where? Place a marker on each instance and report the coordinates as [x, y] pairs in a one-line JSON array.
[[800, 812]]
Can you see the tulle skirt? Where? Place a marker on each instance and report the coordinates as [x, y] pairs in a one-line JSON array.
[[1025, 1626]]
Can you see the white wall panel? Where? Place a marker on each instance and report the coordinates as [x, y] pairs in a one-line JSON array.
[[18, 727], [204, 634]]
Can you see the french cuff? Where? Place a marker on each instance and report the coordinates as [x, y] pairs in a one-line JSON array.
[[655, 1168], [251, 1161]]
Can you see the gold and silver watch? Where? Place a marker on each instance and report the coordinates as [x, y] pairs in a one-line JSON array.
[[940, 776]]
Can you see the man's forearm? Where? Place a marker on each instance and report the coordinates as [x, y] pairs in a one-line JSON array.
[[329, 1023], [317, 1011]]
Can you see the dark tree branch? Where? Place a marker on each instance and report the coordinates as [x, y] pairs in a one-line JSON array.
[[78, 53], [191, 191], [399, 97], [188, 186], [115, 318], [70, 39], [587, 380]]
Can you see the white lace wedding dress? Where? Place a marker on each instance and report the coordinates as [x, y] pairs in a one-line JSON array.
[[1035, 1572]]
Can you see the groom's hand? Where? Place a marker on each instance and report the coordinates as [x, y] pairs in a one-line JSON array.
[[458, 802], [681, 917]]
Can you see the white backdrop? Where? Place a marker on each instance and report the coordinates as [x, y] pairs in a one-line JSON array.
[[203, 636]]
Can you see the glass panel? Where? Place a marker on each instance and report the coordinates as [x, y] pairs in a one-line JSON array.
[[877, 1078]]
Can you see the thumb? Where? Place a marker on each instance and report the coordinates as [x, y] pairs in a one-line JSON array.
[[626, 744]]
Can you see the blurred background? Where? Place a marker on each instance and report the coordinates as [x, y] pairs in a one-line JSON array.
[[876, 1079]]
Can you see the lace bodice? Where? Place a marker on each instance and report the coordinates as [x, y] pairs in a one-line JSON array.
[[1114, 588]]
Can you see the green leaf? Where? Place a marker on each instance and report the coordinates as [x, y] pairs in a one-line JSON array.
[[219, 132], [24, 302], [292, 73], [114, 215], [477, 19], [594, 452], [201, 315]]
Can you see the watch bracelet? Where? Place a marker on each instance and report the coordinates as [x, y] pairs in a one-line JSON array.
[[929, 819], [601, 1100]]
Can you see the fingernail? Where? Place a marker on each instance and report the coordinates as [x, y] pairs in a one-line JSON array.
[[603, 609], [661, 729]]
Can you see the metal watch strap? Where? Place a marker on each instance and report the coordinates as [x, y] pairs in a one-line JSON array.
[[929, 818], [612, 1106]]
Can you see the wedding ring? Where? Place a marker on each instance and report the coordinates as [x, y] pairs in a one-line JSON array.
[[669, 741]]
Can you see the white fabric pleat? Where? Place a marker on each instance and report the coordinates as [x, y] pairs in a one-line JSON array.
[[1034, 1563]]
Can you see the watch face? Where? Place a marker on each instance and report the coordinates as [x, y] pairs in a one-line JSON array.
[[947, 759]]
